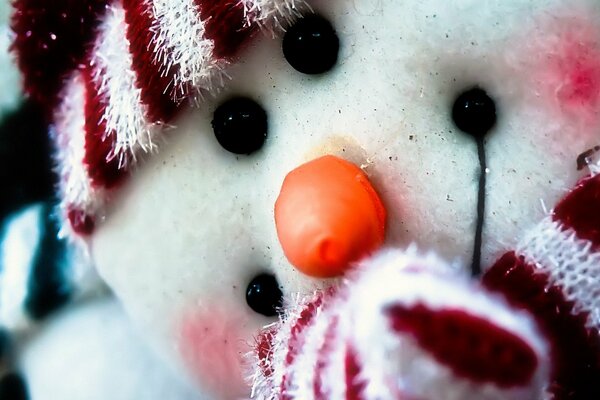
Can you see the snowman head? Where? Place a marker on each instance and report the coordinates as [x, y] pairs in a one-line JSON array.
[[211, 169]]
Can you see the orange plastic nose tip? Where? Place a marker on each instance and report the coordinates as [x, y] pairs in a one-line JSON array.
[[328, 215]]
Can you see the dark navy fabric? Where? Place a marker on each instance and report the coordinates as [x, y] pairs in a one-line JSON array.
[[48, 286], [25, 159], [12, 387]]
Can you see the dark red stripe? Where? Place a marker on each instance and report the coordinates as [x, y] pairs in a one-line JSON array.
[[303, 321], [580, 210], [296, 340], [81, 223], [225, 24], [51, 38], [324, 359], [354, 386], [264, 351], [575, 349], [98, 144], [152, 78], [472, 347]]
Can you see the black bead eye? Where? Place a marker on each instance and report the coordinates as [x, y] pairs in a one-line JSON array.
[[264, 295], [311, 45], [474, 112], [240, 125]]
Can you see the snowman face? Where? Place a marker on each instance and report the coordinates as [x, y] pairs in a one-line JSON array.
[[195, 226]]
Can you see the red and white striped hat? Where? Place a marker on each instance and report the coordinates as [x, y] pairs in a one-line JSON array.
[[114, 73]]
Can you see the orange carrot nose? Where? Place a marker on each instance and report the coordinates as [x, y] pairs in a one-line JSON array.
[[327, 216]]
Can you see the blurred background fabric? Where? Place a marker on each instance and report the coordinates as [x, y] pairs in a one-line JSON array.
[[25, 163], [27, 182]]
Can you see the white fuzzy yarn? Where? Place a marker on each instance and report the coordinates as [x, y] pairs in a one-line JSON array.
[[125, 114], [569, 262], [180, 46], [274, 14]]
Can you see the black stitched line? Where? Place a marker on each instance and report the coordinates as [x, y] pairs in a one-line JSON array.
[[476, 263]]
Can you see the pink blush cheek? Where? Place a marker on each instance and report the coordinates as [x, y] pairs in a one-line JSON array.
[[580, 73], [212, 345], [566, 68]]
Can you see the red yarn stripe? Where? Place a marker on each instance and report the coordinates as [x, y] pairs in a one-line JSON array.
[[264, 351], [354, 387], [98, 144], [323, 359], [472, 347], [225, 24], [295, 341], [580, 211], [575, 350], [156, 86], [51, 39], [81, 223]]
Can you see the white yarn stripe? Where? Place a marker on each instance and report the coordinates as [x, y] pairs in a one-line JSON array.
[[124, 115], [274, 14], [68, 133], [180, 44], [569, 262]]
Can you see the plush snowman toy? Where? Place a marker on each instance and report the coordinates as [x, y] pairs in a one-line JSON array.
[[217, 157]]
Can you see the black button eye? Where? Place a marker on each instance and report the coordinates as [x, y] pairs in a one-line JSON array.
[[240, 125], [474, 112], [311, 45], [264, 295]]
